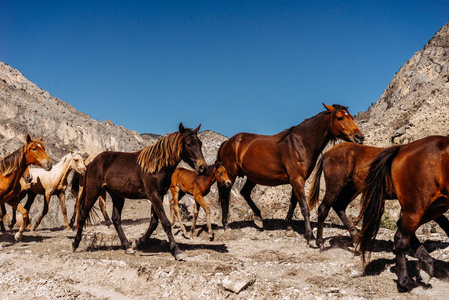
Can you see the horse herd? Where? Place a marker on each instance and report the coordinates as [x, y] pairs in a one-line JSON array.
[[417, 174]]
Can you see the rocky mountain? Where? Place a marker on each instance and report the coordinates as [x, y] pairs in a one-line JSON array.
[[416, 102]]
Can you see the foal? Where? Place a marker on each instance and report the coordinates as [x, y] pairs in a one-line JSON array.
[[185, 181]]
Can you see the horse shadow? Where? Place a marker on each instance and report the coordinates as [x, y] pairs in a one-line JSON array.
[[154, 245], [270, 225], [377, 266], [7, 239]]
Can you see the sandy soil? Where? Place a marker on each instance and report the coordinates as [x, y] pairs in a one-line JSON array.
[[271, 265]]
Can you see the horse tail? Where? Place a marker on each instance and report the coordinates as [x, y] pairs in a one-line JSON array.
[[219, 150], [75, 189], [314, 192], [81, 200], [375, 187]]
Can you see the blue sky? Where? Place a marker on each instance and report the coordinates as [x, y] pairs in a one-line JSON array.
[[233, 66]]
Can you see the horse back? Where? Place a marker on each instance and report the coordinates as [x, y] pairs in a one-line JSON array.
[[424, 164], [349, 163], [259, 157], [119, 172]]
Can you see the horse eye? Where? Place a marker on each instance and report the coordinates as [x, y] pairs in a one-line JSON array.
[[34, 149], [340, 118]]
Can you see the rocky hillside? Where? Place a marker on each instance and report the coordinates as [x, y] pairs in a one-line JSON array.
[[25, 108], [416, 102]]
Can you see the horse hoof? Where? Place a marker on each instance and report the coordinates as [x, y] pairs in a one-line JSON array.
[[258, 222], [134, 245], [18, 236], [180, 256], [425, 277], [73, 248], [129, 250], [290, 233]]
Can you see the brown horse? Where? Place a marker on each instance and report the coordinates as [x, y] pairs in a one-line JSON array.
[[419, 174], [285, 158], [13, 167], [185, 181], [27, 177], [345, 167], [144, 174]]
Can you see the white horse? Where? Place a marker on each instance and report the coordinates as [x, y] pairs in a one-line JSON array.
[[50, 183]]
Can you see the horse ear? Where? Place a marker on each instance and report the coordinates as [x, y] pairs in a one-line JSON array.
[[329, 108], [28, 139], [71, 151], [40, 140], [181, 128], [197, 129]]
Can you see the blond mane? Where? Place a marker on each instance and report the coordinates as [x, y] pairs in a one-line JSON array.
[[165, 152]]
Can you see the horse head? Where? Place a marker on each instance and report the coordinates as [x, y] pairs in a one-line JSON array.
[[221, 174], [342, 124], [77, 163], [35, 153], [191, 150]]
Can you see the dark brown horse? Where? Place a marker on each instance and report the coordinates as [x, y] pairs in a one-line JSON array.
[[419, 173], [13, 167], [144, 174], [186, 181], [345, 167], [285, 158]]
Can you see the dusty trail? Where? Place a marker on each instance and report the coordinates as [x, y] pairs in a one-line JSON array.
[[273, 265]]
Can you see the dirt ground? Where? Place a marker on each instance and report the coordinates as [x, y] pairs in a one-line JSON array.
[[263, 264]]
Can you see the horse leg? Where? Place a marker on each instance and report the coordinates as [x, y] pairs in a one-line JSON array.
[[151, 228], [340, 205], [16, 205], [426, 267], [2, 215], [118, 203], [323, 211], [246, 193], [61, 198], [224, 193], [44, 211], [177, 194], [200, 201], [402, 240], [102, 203], [76, 206], [298, 190], [156, 201], [83, 212], [195, 216], [14, 218]]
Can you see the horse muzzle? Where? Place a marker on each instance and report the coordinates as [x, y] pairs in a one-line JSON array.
[[201, 167], [47, 165], [358, 138], [227, 183]]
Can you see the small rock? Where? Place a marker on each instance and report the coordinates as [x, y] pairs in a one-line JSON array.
[[236, 285]]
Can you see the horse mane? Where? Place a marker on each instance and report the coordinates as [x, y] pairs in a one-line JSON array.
[[287, 132], [12, 162], [165, 152]]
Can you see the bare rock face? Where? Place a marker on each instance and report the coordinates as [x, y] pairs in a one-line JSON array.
[[28, 109], [415, 103]]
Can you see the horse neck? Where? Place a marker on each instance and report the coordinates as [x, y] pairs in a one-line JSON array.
[[208, 178], [314, 134], [61, 170]]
